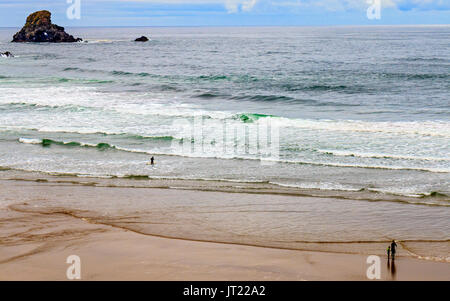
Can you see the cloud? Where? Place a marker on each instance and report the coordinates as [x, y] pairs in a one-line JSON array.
[[345, 5], [234, 6], [331, 5], [231, 9], [407, 5], [237, 6]]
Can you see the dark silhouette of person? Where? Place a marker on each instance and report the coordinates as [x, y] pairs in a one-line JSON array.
[[393, 249], [152, 161], [388, 252]]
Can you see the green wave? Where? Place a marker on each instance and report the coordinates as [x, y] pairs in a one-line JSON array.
[[46, 142], [213, 77], [100, 146], [415, 76], [121, 73], [249, 117], [435, 194], [34, 106], [83, 81]]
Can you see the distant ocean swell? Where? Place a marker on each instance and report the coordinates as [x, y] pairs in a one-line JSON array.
[[252, 78], [263, 83]]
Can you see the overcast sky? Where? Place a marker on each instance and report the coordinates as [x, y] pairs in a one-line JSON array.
[[228, 12]]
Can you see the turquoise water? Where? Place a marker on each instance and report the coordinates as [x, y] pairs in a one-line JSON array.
[[356, 108]]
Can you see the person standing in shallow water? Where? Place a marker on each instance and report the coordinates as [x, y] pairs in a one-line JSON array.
[[393, 247], [388, 252], [152, 161]]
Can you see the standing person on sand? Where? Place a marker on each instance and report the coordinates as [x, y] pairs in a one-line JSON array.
[[389, 252], [393, 246]]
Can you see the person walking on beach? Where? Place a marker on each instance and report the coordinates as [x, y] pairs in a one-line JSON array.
[[393, 246], [152, 161], [389, 252]]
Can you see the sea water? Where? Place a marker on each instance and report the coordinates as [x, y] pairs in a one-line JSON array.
[[355, 108]]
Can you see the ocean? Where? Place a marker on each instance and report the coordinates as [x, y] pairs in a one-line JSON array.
[[348, 109]]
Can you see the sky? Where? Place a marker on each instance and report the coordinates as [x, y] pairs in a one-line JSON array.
[[228, 12]]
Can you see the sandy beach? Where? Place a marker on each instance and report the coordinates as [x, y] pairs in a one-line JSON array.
[[36, 237], [235, 140]]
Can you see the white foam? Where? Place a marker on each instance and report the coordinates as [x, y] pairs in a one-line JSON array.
[[377, 155], [221, 155], [30, 141], [336, 164], [424, 128], [319, 185], [402, 191], [170, 106]]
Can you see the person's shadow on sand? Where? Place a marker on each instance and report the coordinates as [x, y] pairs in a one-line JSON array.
[[392, 269]]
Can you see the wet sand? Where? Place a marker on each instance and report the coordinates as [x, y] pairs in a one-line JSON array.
[[34, 245]]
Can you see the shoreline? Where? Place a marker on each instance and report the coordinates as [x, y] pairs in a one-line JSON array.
[[108, 253], [39, 230], [218, 185], [99, 188], [121, 255]]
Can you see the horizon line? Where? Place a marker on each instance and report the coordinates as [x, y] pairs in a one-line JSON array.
[[231, 26]]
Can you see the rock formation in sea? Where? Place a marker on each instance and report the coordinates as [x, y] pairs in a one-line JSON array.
[[141, 39], [39, 28], [6, 54]]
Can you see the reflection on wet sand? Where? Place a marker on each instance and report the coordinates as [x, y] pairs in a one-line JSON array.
[[116, 229], [392, 269]]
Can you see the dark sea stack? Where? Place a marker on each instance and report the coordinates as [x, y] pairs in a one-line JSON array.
[[141, 39], [39, 28], [6, 54]]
